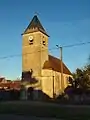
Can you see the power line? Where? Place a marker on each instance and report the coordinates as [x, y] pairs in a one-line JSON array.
[[18, 55], [53, 48], [77, 44]]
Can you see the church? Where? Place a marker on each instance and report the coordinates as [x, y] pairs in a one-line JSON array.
[[41, 72]]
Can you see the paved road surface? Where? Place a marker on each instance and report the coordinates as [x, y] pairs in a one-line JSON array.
[[37, 103], [18, 117]]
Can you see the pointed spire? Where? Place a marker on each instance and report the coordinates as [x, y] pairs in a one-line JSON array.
[[35, 26]]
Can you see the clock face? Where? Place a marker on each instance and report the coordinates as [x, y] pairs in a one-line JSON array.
[[30, 38]]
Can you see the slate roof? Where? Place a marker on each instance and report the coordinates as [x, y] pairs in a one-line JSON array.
[[35, 26], [55, 64]]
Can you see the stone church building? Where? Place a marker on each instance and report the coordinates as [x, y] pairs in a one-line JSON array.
[[41, 72]]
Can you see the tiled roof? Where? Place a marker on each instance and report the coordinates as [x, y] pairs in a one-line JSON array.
[[15, 85], [55, 64], [1, 79], [35, 26]]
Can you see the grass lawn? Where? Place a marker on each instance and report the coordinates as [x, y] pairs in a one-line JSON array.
[[45, 110]]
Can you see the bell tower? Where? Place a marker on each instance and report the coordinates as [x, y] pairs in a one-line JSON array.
[[34, 47]]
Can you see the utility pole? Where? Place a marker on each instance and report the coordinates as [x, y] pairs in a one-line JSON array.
[[53, 88], [40, 65], [61, 65], [61, 68]]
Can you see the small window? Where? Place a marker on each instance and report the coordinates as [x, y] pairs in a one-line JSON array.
[[30, 42], [44, 42]]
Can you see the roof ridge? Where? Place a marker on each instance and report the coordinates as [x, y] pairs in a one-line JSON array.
[[55, 57], [54, 62]]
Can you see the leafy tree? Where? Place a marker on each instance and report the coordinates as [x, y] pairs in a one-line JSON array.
[[80, 82], [82, 77]]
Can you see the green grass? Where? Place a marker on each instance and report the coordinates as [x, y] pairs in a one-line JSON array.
[[45, 110]]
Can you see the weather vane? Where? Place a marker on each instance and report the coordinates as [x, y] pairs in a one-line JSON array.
[[36, 13]]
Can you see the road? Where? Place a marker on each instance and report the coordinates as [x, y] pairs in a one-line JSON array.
[[37, 103], [19, 117]]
